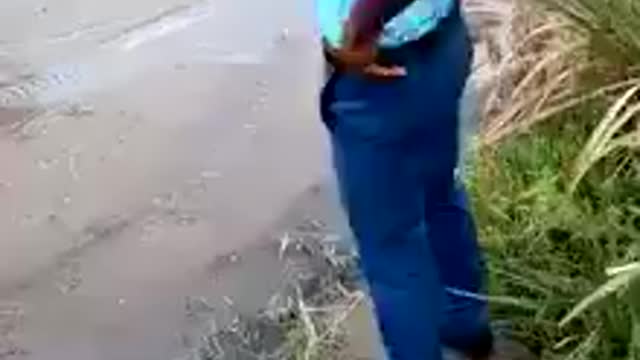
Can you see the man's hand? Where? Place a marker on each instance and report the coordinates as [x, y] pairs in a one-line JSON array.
[[360, 55]]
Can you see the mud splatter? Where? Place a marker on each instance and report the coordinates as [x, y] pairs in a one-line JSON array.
[[70, 277], [35, 123], [51, 86], [11, 318]]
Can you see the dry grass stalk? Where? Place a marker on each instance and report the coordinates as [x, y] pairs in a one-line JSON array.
[[304, 319], [526, 67]]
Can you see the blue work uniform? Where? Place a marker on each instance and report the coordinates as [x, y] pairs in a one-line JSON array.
[[395, 151]]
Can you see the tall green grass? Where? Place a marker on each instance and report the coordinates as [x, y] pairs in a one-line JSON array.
[[550, 247], [558, 201]]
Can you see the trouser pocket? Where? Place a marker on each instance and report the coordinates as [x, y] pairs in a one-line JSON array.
[[327, 96]]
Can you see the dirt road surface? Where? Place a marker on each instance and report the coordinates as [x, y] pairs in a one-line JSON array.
[[140, 143]]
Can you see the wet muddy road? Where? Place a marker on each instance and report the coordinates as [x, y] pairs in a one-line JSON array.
[[139, 142]]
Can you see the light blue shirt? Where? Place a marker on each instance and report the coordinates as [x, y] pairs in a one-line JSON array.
[[416, 20]]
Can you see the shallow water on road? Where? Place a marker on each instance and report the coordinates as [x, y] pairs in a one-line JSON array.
[[108, 58]]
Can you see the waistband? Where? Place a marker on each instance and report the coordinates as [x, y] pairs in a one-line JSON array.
[[397, 55]]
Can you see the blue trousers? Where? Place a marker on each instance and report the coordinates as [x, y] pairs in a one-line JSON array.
[[395, 147]]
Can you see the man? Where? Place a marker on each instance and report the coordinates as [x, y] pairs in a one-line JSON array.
[[398, 69]]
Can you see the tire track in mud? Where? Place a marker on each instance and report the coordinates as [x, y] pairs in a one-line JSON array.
[[58, 82], [30, 104], [165, 23], [177, 208], [53, 82], [172, 208]]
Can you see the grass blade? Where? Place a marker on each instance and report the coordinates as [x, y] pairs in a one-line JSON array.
[[616, 283]]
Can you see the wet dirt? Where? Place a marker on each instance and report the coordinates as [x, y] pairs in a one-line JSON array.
[[139, 141]]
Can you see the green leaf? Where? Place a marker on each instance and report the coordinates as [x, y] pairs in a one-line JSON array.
[[618, 282]]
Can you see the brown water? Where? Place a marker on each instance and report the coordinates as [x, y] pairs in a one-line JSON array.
[[140, 140]]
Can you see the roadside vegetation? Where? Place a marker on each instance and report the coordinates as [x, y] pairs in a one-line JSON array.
[[556, 177]]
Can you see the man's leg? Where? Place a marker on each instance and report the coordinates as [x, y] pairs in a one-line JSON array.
[[451, 230], [453, 239], [382, 200], [451, 234], [381, 187]]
